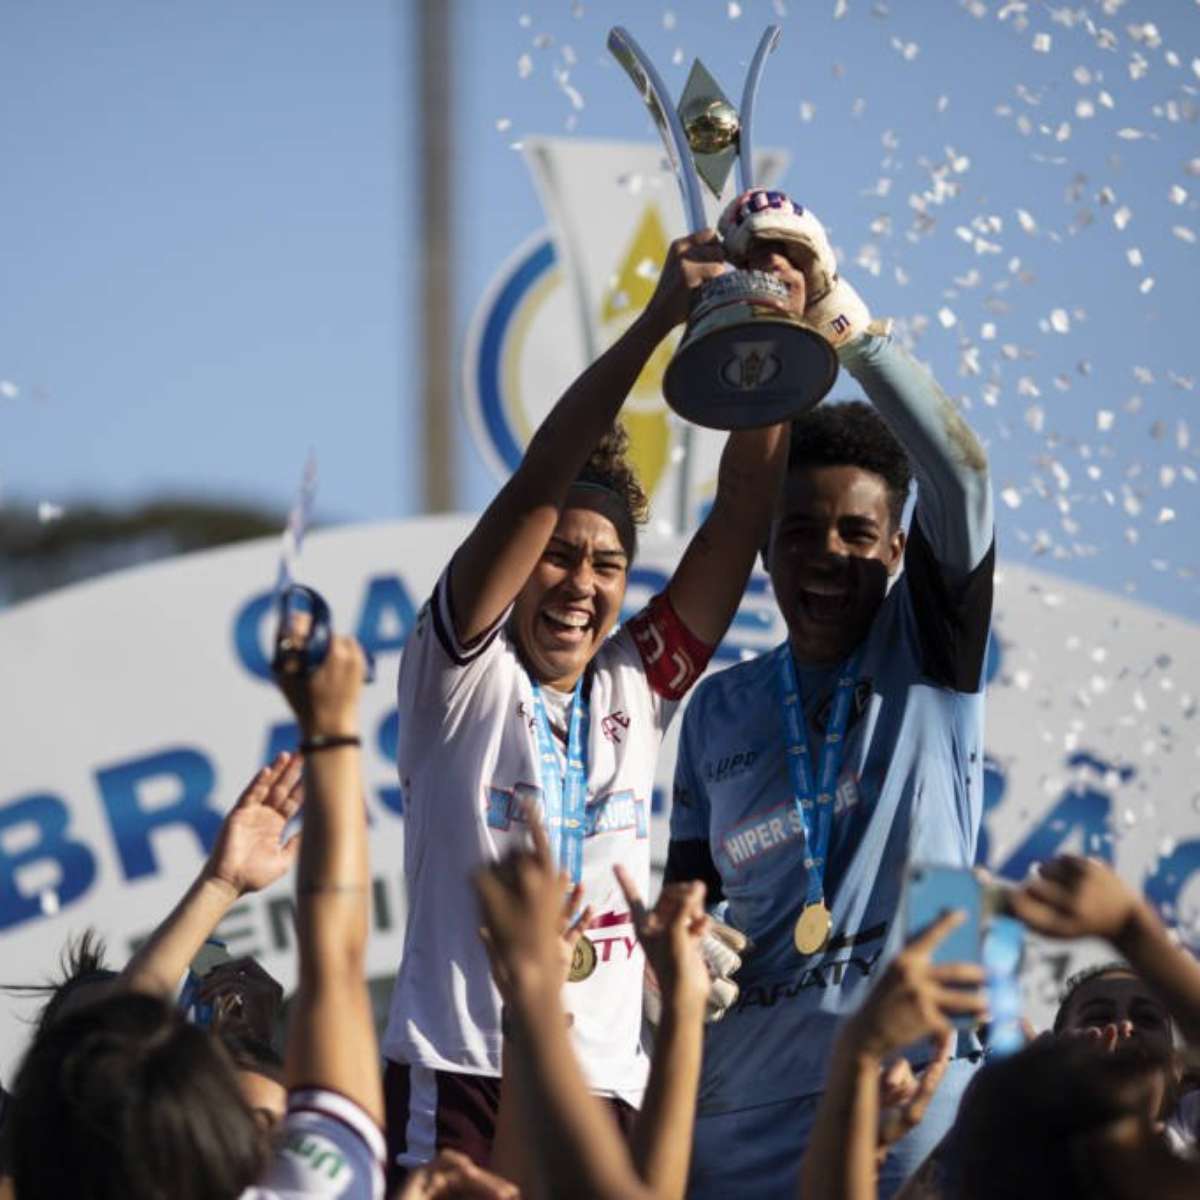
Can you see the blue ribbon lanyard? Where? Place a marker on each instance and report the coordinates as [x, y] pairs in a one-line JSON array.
[[564, 798], [814, 803]]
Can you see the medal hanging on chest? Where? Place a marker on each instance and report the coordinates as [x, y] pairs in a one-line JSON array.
[[564, 801], [814, 799]]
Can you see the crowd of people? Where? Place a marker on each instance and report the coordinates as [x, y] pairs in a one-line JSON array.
[[770, 1025]]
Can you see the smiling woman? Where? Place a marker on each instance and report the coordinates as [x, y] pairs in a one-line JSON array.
[[517, 690]]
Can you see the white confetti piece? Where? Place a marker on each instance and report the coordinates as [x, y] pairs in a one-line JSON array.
[[543, 41], [808, 110], [1183, 233], [1085, 110], [1134, 255], [1060, 322], [8, 389], [647, 269], [1082, 76], [525, 20], [840, 9], [1122, 216], [1106, 100], [47, 512], [987, 331], [1041, 43], [907, 50], [1129, 134], [48, 902], [1165, 515], [1104, 420], [947, 317], [524, 66], [943, 103], [1011, 497], [1177, 194], [1146, 285], [503, 123], [1166, 476], [733, 9], [668, 19], [1027, 223], [677, 57]]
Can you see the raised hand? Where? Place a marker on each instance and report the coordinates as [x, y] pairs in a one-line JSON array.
[[1073, 897], [522, 906], [670, 935], [453, 1176], [904, 1095], [248, 855], [916, 998], [690, 262]]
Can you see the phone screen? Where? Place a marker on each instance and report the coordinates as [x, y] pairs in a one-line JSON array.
[[931, 891]]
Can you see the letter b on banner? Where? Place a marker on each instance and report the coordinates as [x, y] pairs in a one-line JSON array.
[[47, 817]]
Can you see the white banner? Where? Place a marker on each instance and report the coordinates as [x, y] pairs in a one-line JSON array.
[[135, 707]]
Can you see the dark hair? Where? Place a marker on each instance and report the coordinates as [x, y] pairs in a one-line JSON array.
[[250, 1053], [609, 467], [80, 963], [1024, 1121], [1076, 981], [852, 434], [125, 1099]]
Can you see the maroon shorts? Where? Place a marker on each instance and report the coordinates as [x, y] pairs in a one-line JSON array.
[[428, 1111]]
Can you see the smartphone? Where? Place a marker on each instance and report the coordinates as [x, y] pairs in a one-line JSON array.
[[212, 954], [929, 892]]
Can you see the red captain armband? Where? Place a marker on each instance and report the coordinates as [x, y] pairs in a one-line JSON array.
[[672, 655]]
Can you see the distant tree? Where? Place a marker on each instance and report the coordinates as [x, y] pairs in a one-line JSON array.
[[38, 555]]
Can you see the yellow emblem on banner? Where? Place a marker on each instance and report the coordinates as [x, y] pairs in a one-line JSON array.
[[645, 414]]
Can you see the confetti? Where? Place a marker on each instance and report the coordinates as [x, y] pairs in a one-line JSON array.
[[947, 318], [1134, 255], [733, 9], [1041, 43], [840, 9], [8, 389], [1177, 194], [1122, 217], [503, 123], [668, 20], [1011, 497], [1183, 233], [1104, 420], [1146, 285], [47, 512], [1060, 322], [524, 66], [808, 110]]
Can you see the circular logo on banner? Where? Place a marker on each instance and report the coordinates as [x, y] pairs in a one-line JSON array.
[[526, 344]]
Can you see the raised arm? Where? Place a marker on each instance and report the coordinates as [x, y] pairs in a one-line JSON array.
[[955, 501], [671, 935], [577, 1150], [492, 565], [955, 495], [331, 1029], [707, 586], [247, 856], [913, 999], [1074, 897]]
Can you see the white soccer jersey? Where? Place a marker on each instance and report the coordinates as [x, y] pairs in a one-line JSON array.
[[468, 761]]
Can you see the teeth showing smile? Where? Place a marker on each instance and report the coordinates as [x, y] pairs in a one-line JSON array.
[[570, 618]]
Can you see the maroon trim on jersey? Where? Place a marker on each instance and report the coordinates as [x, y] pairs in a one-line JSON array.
[[672, 656]]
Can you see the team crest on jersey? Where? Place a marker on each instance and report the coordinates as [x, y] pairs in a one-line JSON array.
[[862, 697]]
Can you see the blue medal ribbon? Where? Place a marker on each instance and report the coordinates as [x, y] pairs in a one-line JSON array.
[[814, 802], [564, 797]]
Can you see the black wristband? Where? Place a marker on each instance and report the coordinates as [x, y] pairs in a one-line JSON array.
[[328, 741]]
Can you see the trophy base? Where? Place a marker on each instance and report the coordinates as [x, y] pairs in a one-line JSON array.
[[745, 361]]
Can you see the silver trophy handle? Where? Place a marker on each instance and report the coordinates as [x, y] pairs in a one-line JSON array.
[[653, 91], [745, 162]]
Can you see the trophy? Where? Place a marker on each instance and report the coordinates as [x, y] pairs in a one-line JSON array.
[[745, 360]]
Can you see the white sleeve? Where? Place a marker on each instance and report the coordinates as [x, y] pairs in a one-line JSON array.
[[327, 1147]]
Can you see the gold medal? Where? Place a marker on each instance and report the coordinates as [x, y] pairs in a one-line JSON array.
[[583, 960], [813, 927]]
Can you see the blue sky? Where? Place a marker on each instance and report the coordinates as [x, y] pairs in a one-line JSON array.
[[210, 216]]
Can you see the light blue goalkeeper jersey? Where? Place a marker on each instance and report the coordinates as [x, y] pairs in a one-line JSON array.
[[911, 782]]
